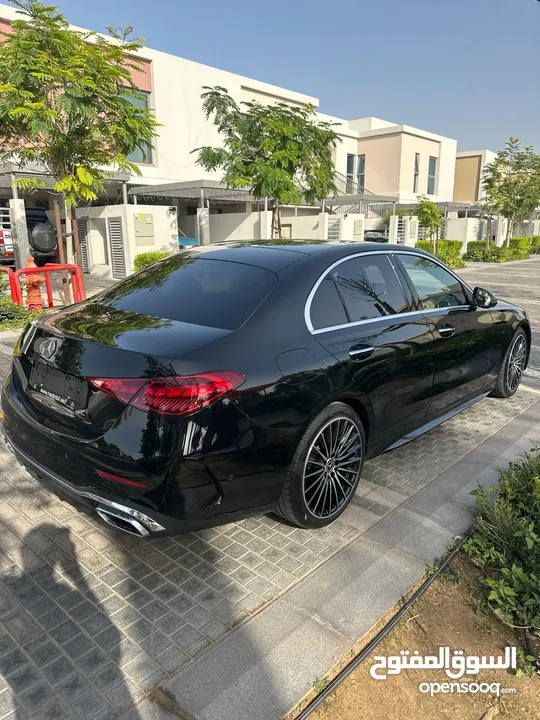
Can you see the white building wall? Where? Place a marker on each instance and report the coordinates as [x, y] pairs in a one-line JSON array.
[[235, 226], [177, 88], [369, 123], [347, 144], [165, 233]]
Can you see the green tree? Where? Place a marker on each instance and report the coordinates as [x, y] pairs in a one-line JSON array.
[[279, 152], [67, 104], [429, 216], [512, 183]]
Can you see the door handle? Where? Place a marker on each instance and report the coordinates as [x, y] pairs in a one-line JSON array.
[[361, 351], [446, 330]]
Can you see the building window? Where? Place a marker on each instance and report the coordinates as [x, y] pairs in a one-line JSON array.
[[416, 172], [361, 172], [350, 173], [140, 155], [432, 176]]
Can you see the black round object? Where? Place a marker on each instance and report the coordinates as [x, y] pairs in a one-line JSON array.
[[42, 238], [325, 469], [515, 362]]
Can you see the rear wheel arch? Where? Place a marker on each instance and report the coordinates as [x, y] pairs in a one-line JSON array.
[[363, 413]]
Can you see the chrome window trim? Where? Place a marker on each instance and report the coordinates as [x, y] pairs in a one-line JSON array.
[[389, 254]]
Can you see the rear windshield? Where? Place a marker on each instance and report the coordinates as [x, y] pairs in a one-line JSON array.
[[215, 293]]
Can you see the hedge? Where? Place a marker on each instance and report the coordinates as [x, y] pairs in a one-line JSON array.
[[449, 251], [144, 259], [535, 245], [519, 249]]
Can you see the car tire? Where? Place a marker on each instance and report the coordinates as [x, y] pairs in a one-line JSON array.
[[318, 489], [514, 364]]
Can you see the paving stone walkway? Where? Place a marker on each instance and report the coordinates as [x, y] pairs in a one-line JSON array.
[[91, 620]]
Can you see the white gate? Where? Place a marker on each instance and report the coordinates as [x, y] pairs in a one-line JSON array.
[[116, 240], [83, 241], [334, 226]]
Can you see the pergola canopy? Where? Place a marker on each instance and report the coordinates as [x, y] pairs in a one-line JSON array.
[[191, 190], [369, 198]]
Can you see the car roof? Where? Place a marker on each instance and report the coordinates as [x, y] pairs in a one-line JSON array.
[[277, 257]]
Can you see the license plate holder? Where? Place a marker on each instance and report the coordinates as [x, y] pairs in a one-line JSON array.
[[65, 389]]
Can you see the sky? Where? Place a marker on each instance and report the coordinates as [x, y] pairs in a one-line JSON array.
[[467, 69]]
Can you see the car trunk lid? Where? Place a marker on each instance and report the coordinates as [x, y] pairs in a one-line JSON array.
[[58, 353]]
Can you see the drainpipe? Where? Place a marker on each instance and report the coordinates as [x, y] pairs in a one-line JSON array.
[[124, 193]]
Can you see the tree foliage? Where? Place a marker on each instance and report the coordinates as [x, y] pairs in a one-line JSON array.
[[67, 102], [429, 216], [279, 152], [512, 183]]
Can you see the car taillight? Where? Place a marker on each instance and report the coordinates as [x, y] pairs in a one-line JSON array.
[[173, 396]]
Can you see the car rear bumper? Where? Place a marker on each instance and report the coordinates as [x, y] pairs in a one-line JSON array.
[[134, 518], [186, 494]]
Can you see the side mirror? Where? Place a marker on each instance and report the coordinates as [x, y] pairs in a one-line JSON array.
[[483, 298]]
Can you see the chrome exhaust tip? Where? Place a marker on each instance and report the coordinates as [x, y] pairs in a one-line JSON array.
[[122, 522]]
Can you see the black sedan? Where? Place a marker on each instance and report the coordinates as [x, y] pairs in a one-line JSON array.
[[210, 387]]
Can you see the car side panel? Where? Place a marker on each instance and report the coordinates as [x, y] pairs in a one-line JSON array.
[[463, 361], [396, 376]]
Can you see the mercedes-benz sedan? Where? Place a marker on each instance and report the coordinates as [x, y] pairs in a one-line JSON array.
[[209, 387]]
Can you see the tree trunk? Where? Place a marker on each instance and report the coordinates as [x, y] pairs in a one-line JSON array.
[[61, 249], [508, 231], [77, 239], [489, 230], [276, 220]]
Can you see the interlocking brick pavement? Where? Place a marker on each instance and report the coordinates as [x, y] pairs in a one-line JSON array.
[[91, 620]]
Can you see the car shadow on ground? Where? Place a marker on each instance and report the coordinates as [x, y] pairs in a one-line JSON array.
[[53, 658], [65, 652]]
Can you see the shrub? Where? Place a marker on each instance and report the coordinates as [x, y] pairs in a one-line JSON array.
[[523, 243], [506, 542], [144, 259], [500, 254], [449, 251], [535, 245], [521, 247], [476, 250], [13, 315], [518, 250]]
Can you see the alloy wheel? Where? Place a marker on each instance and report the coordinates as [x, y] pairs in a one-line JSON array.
[[516, 363], [332, 466]]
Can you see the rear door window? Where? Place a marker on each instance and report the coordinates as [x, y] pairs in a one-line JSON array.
[[196, 290], [369, 288]]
